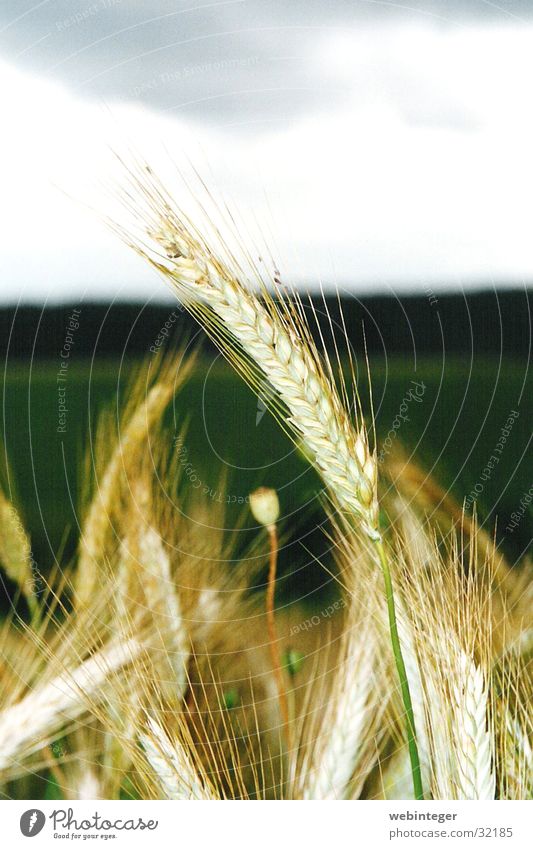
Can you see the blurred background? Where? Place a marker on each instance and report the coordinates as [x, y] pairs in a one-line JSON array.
[[379, 150]]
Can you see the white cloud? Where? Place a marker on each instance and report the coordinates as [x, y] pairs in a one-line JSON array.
[[421, 171]]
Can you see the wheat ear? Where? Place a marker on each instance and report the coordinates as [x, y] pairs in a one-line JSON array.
[[271, 339], [88, 786], [345, 730], [172, 765], [132, 439], [473, 746], [517, 767], [27, 726], [162, 598], [15, 551]]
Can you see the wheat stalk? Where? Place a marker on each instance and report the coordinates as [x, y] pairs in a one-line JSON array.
[[172, 765], [25, 727], [412, 665], [280, 345]]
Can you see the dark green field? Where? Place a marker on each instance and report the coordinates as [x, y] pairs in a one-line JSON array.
[[453, 428]]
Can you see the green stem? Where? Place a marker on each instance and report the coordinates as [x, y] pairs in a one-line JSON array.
[[402, 674]]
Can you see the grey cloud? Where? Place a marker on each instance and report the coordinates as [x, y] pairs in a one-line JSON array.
[[245, 61], [224, 62]]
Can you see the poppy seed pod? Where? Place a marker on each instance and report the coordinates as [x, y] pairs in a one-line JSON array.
[[264, 504]]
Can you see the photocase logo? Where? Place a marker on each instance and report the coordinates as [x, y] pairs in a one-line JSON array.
[[32, 822], [265, 396]]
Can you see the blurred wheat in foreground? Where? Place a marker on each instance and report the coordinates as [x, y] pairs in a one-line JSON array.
[[150, 667]]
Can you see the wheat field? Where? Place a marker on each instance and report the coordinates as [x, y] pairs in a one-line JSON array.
[[159, 663]]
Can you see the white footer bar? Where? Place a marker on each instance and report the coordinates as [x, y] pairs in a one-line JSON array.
[[268, 825]]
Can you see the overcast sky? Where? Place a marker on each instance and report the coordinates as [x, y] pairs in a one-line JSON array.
[[374, 144]]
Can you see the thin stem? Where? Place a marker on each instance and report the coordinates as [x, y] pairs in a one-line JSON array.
[[402, 674], [34, 609], [272, 634]]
